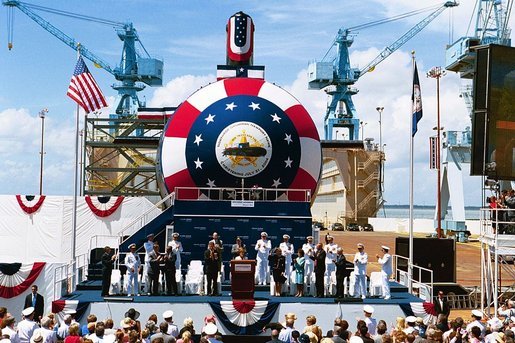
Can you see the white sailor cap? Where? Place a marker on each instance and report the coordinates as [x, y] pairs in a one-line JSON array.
[[133, 245], [477, 313], [264, 233], [309, 237], [411, 319], [167, 314], [286, 236], [385, 247], [368, 309], [150, 235], [329, 237], [175, 234], [360, 245], [28, 311]]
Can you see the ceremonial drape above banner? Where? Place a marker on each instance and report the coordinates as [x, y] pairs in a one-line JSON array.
[[15, 278], [30, 203]]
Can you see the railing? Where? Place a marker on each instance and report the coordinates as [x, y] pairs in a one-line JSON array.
[[372, 177], [496, 221], [82, 262], [62, 280], [401, 269], [369, 161], [242, 194], [364, 202]]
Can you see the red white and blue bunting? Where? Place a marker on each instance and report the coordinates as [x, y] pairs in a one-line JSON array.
[[16, 278], [30, 203], [103, 206], [64, 307], [244, 317], [424, 310]]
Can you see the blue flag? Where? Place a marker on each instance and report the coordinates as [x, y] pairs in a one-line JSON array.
[[416, 99]]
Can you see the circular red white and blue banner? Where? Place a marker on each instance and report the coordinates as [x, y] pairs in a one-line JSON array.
[[30, 203], [16, 278], [240, 129], [103, 206]]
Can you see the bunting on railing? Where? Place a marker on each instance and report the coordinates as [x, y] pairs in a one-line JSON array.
[[424, 310], [103, 206], [63, 307], [244, 317], [30, 203], [16, 278]]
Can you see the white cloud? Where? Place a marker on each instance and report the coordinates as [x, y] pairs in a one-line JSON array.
[[178, 90]]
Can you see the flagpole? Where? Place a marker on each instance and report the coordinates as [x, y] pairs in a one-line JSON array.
[[410, 260]]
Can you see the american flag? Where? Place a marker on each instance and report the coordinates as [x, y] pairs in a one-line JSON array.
[[84, 90]]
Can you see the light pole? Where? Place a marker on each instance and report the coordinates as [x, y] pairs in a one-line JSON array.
[[42, 115], [380, 109], [437, 73], [336, 135], [363, 129]]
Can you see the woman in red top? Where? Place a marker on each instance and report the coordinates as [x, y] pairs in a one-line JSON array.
[[74, 334]]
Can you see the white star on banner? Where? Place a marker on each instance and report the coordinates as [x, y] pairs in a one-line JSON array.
[[288, 162], [210, 118], [254, 106], [242, 69], [230, 106], [276, 118], [198, 163], [211, 183], [232, 195], [198, 139], [288, 138], [276, 183]]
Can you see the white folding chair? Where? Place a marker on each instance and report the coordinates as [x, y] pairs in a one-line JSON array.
[[194, 282], [116, 276], [376, 284], [352, 282]]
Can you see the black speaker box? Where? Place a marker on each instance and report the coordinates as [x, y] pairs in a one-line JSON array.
[[436, 254]]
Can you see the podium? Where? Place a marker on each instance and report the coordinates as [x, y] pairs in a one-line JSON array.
[[242, 279]]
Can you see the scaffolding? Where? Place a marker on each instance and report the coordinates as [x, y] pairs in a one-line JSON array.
[[497, 257]]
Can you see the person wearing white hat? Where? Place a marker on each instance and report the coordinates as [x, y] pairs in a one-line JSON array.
[[360, 271], [386, 270], [46, 330], [173, 330], [177, 249], [133, 264], [495, 326], [371, 322], [263, 247], [149, 247], [309, 249], [330, 255], [477, 316], [210, 330], [27, 326], [287, 251]]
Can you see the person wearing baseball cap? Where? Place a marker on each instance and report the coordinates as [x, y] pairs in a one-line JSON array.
[[133, 264], [360, 270], [177, 249], [263, 247], [386, 270]]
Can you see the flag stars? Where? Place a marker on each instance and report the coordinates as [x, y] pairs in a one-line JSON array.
[[254, 106], [287, 138], [276, 118], [276, 183], [288, 162], [198, 163], [198, 139], [210, 119], [210, 183], [230, 106]]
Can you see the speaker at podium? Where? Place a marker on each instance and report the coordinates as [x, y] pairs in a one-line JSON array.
[[242, 279]]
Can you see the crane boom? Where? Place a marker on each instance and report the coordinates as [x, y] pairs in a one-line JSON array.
[[63, 37], [404, 38]]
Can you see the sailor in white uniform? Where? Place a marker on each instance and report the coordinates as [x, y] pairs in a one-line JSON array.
[[27, 326], [177, 249], [149, 247], [477, 316], [360, 270], [330, 256], [287, 250], [133, 264], [308, 248], [263, 247], [386, 270]]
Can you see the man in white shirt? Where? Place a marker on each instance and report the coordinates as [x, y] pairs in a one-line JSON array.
[[476, 316], [263, 247], [386, 270], [133, 264], [177, 249], [308, 248], [371, 322], [27, 326], [287, 250], [149, 247], [330, 255], [173, 330], [46, 330], [9, 329], [360, 271], [62, 331]]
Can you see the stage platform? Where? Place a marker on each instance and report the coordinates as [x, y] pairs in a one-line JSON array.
[[242, 317]]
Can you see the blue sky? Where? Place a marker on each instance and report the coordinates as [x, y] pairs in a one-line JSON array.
[[190, 37]]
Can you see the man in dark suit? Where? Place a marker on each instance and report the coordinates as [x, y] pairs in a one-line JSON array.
[[341, 272], [170, 258], [441, 305], [107, 269], [211, 268], [35, 300], [319, 258]]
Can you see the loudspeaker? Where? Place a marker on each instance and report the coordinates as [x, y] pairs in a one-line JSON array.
[[436, 254], [493, 119]]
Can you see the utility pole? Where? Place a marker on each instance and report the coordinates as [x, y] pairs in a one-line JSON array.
[[437, 73], [42, 115]]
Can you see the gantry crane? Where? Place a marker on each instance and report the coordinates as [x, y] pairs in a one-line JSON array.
[[337, 76], [135, 69]]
